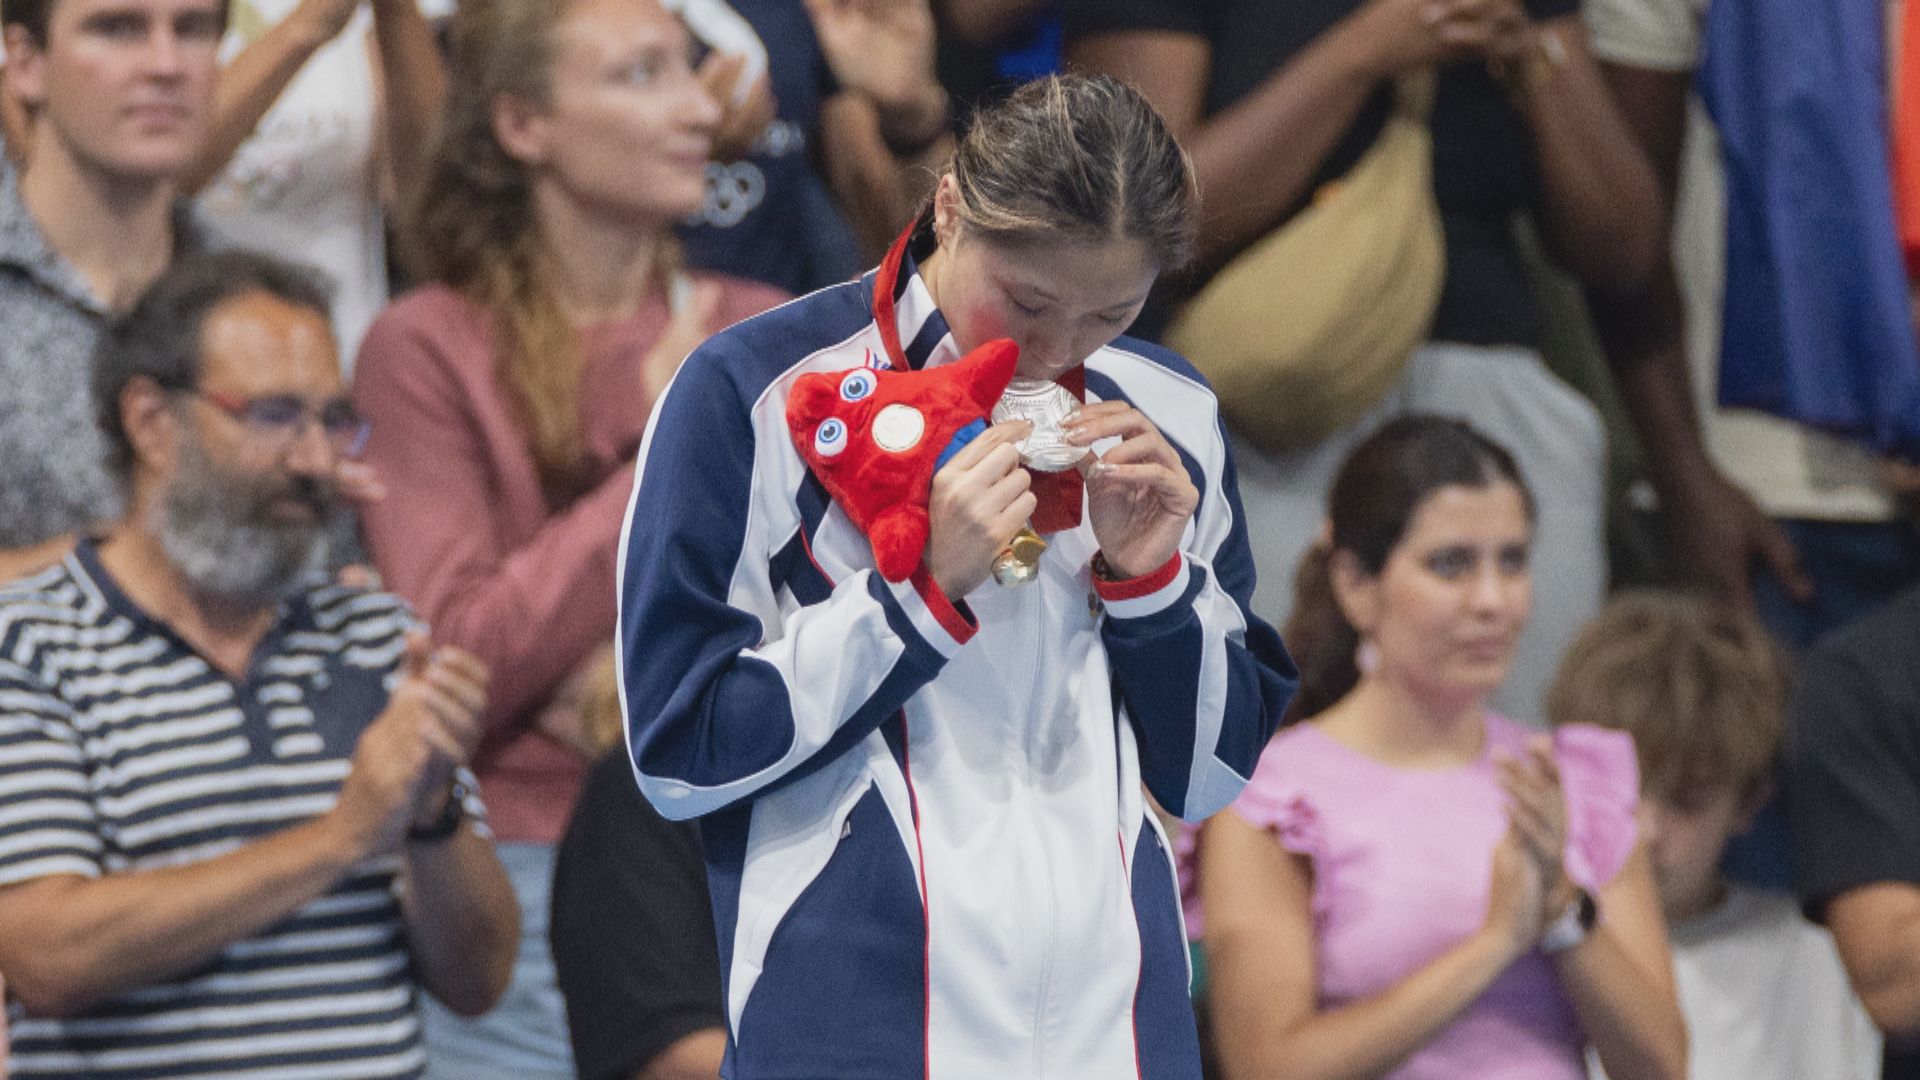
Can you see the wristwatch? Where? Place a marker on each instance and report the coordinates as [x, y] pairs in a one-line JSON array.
[[452, 812], [1573, 925]]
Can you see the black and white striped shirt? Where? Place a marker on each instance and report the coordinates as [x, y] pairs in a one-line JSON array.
[[122, 750]]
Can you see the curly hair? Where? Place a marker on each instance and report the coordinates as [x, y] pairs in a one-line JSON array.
[[1699, 685]]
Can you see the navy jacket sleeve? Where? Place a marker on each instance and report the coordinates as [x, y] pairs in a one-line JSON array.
[[1203, 680], [730, 686]]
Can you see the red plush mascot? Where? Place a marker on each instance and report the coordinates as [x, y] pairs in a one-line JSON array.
[[875, 437]]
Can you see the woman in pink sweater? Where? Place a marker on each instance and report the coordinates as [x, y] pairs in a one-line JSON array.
[[508, 401]]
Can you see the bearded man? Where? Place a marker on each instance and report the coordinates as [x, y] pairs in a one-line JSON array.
[[237, 830]]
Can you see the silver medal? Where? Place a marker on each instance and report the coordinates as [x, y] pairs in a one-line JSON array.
[[1046, 404]]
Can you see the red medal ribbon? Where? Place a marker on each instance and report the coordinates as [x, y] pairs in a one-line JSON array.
[[1905, 142]]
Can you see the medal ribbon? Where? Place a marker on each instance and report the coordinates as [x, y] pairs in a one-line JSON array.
[[1905, 141]]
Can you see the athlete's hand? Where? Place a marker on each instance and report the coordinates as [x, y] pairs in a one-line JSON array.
[[1139, 496], [980, 499]]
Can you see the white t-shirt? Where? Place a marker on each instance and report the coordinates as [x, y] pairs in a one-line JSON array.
[[304, 185], [1765, 997], [1789, 469]]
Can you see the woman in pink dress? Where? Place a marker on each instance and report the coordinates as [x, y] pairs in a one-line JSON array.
[[1413, 886]]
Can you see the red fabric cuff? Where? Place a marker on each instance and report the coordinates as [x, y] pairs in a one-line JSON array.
[[958, 625], [1144, 585]]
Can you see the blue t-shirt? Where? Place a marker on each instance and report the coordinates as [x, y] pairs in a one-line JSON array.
[[1817, 326], [769, 216]]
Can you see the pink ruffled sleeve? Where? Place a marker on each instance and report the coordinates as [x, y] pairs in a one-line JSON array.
[[1282, 810], [1600, 776], [1268, 803]]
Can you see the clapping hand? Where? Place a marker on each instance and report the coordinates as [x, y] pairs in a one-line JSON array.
[[406, 757], [1531, 886], [883, 49], [1401, 35], [358, 483]]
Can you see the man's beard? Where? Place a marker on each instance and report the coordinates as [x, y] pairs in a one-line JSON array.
[[216, 526]]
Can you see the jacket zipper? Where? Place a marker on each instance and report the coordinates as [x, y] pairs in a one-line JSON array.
[[1047, 909]]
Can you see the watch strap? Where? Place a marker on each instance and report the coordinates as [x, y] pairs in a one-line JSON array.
[[1573, 925], [452, 813]]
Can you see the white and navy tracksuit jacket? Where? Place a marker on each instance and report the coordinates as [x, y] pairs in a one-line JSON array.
[[927, 844]]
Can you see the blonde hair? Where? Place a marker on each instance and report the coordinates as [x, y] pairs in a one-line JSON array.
[[1082, 157], [473, 226], [1699, 685], [602, 724]]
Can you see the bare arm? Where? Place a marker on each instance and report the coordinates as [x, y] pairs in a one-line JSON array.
[[1717, 532], [1260, 963], [413, 92], [67, 942], [1620, 980], [463, 922], [690, 1057], [1255, 159], [879, 191], [256, 78], [1877, 928], [983, 22], [1600, 211], [883, 135]]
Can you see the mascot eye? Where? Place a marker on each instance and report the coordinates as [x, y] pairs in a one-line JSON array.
[[857, 385], [830, 438]]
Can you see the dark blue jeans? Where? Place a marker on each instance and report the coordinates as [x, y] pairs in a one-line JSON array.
[[1854, 566]]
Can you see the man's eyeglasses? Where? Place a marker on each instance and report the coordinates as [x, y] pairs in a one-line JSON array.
[[283, 417]]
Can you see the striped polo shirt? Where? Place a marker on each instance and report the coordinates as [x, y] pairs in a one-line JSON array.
[[122, 750]]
